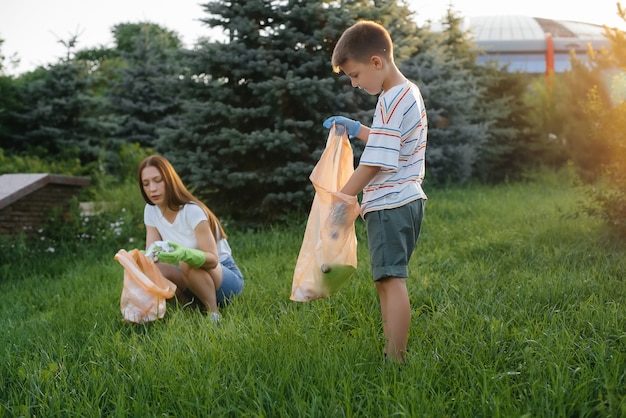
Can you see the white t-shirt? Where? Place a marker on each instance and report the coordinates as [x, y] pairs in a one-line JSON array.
[[181, 231], [396, 144]]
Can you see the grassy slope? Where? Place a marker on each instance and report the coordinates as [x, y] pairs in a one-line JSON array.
[[518, 308]]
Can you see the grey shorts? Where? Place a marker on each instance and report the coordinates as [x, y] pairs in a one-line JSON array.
[[392, 235]]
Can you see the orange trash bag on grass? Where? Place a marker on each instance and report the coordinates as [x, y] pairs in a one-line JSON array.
[[145, 289], [328, 256]]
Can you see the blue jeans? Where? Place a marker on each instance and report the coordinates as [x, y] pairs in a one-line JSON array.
[[232, 282]]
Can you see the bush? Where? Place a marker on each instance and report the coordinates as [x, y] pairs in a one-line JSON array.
[[29, 163], [117, 223], [608, 196]]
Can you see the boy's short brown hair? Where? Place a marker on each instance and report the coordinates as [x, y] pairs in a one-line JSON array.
[[360, 41]]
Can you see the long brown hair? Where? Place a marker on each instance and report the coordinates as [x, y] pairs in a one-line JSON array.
[[175, 191]]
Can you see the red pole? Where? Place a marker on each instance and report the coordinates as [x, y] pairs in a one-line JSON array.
[[549, 58]]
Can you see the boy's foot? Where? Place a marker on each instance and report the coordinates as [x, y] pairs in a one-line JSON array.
[[392, 360], [215, 317], [389, 363]]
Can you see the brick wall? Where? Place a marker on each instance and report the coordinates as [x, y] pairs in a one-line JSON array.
[[32, 208]]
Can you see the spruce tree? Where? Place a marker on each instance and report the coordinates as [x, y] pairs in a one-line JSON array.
[[251, 128], [8, 101], [58, 115], [477, 128], [144, 93], [512, 144], [443, 69]]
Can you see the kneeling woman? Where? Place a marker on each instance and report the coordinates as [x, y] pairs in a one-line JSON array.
[[201, 261]]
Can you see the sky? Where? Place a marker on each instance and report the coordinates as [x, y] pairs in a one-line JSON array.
[[32, 29]]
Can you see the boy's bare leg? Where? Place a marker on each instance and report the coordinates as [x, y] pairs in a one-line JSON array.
[[396, 315]]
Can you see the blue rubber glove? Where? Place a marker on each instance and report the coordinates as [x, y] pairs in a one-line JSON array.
[[352, 126], [191, 256], [344, 209]]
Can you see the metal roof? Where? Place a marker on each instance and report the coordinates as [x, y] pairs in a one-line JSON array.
[[504, 28], [524, 43], [516, 27], [515, 33]]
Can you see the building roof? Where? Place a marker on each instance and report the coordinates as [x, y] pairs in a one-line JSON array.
[[15, 186], [504, 28], [515, 33]]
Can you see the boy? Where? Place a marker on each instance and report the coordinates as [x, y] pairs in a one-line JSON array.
[[390, 171]]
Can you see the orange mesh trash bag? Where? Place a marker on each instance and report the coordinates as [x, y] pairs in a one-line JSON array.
[[328, 258], [145, 288]]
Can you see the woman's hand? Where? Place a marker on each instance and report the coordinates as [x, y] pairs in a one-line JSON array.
[[191, 256]]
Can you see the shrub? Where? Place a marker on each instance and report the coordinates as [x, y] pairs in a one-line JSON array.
[[608, 196]]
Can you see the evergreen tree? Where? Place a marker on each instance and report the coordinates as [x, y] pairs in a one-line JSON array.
[[126, 34], [512, 145], [144, 92], [8, 101], [477, 123], [445, 70], [546, 101], [59, 117], [251, 130], [598, 147]]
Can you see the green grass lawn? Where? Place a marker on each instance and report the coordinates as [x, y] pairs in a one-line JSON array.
[[518, 310]]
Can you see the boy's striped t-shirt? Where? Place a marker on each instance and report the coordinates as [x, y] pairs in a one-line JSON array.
[[397, 144]]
